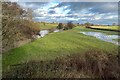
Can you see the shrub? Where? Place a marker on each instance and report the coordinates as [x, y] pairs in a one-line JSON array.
[[91, 64], [60, 26], [87, 25], [70, 25]]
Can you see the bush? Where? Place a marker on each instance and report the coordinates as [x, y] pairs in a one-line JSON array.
[[70, 25], [87, 25], [91, 64], [60, 26]]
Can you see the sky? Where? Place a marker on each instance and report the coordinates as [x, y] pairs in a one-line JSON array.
[[78, 12]]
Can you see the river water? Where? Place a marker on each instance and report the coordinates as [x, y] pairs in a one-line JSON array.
[[104, 37], [42, 33]]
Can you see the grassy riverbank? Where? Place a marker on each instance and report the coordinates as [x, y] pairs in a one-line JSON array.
[[58, 45]]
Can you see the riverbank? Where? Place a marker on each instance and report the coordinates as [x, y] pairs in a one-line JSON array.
[[54, 45]]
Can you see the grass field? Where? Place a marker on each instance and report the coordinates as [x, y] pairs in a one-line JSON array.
[[107, 27], [81, 28], [47, 25], [56, 45]]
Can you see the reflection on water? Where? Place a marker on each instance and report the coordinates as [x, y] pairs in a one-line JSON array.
[[43, 32], [57, 30], [101, 36]]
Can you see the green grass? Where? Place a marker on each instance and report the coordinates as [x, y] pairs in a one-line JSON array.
[[56, 45], [82, 28], [107, 27], [47, 25], [85, 65]]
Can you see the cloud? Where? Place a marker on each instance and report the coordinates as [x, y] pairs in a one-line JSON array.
[[64, 0], [95, 12], [51, 12], [99, 7]]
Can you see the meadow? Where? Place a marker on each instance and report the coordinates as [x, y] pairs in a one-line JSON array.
[[107, 27], [60, 45], [47, 25], [82, 28]]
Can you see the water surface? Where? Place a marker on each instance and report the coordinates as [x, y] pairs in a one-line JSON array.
[[43, 32], [102, 36]]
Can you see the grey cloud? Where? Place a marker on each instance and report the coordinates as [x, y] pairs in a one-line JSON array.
[[51, 12], [100, 9], [96, 7]]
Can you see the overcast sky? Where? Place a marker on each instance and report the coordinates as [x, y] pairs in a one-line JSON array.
[[78, 12]]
